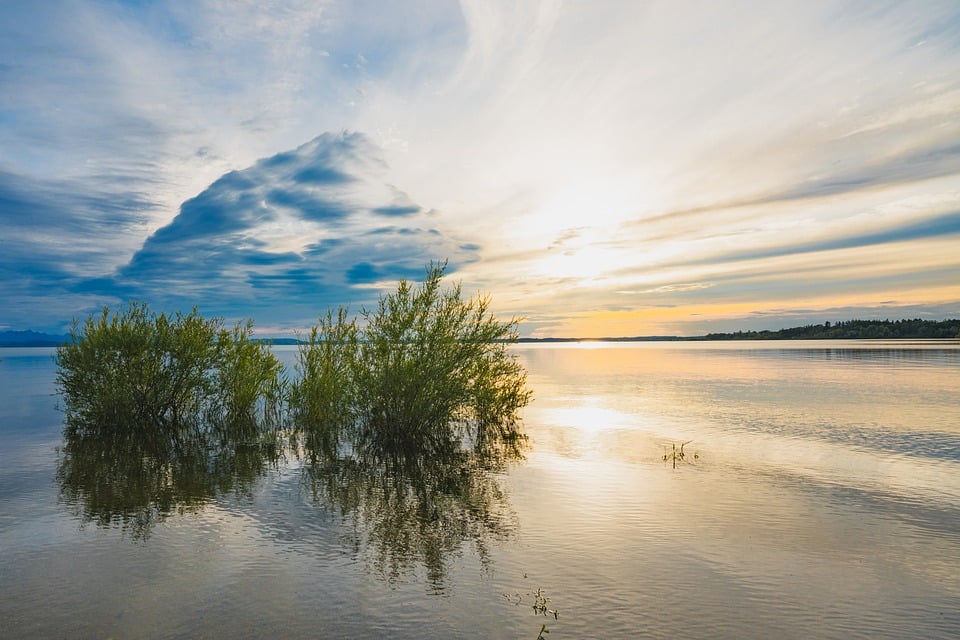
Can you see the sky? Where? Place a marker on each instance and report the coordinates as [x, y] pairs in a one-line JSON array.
[[601, 168]]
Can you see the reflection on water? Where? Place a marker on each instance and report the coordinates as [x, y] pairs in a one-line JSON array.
[[411, 512], [402, 512], [824, 502], [135, 476], [878, 418]]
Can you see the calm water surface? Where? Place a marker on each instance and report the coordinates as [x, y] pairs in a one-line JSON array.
[[818, 496]]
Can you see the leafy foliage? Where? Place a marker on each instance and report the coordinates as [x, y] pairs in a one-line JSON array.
[[247, 376], [134, 366], [323, 399], [163, 413], [427, 370]]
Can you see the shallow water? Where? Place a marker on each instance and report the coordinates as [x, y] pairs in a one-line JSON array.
[[818, 496]]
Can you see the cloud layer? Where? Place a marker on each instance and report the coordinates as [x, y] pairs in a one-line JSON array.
[[602, 168], [286, 238]]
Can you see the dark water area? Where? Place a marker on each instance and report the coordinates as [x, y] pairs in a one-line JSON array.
[[818, 496]]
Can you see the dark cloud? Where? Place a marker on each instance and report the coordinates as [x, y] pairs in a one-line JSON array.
[[944, 225], [365, 272], [279, 241], [397, 210], [362, 273], [55, 234], [287, 237], [67, 206], [308, 205], [321, 176], [401, 205]]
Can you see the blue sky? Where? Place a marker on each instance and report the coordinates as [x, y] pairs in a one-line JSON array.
[[599, 168]]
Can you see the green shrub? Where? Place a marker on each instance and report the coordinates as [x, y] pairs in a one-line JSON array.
[[427, 371], [323, 399], [133, 368], [136, 366], [248, 377]]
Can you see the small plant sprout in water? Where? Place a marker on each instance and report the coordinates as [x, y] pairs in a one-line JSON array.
[[675, 454], [539, 602]]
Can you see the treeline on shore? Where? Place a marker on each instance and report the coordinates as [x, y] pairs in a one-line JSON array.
[[853, 329]]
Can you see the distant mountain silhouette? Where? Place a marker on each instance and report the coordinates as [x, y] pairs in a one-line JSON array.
[[30, 339]]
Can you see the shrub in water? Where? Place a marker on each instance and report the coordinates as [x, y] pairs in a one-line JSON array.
[[135, 367], [247, 375], [428, 370], [323, 397]]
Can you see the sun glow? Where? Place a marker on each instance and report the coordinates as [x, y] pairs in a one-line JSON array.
[[590, 416], [569, 200], [585, 261], [599, 200]]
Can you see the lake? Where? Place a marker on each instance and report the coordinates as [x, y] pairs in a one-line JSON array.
[[817, 495]]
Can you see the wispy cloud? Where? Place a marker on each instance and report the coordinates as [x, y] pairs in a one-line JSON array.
[[601, 167]]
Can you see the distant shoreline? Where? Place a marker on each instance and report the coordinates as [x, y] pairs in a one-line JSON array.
[[293, 341], [846, 330], [915, 329]]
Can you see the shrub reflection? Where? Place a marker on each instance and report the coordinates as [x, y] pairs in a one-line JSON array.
[[405, 512], [135, 476], [401, 512]]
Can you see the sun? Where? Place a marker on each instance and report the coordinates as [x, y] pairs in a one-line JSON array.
[[587, 261], [581, 222]]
